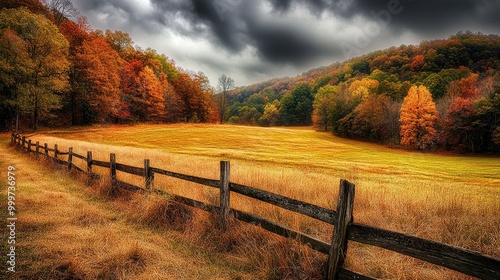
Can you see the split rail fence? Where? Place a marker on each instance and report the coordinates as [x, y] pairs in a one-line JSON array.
[[462, 260]]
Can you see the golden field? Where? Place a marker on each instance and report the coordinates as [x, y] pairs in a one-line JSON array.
[[447, 198]]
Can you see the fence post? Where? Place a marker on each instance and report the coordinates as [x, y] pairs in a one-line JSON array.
[[70, 158], [112, 169], [338, 249], [29, 146], [224, 195], [24, 143], [37, 149], [56, 152], [46, 146], [149, 176], [89, 167]]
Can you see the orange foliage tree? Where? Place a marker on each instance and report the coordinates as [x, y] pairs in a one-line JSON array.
[[418, 119], [196, 100], [152, 92], [173, 103], [132, 101], [99, 66]]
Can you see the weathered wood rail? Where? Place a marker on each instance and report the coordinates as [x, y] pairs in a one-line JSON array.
[[462, 260]]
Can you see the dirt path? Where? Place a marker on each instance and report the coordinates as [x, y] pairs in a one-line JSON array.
[[64, 232]]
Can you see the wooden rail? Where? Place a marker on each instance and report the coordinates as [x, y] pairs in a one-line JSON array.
[[462, 260]]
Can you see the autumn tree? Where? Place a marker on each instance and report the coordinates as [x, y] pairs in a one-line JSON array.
[[323, 106], [40, 53], [120, 41], [132, 98], [271, 114], [376, 119], [198, 105], [417, 62], [76, 34], [418, 119], [152, 93], [34, 6], [460, 133], [162, 62], [343, 103], [173, 102], [13, 65], [362, 88], [98, 67]]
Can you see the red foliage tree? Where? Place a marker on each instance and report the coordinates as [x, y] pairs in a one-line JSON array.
[[458, 125]]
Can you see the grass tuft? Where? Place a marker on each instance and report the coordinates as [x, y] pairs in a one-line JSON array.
[[160, 213], [127, 262]]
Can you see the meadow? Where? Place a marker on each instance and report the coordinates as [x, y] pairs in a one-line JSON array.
[[452, 199]]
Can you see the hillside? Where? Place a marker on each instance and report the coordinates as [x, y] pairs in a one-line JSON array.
[[361, 98]]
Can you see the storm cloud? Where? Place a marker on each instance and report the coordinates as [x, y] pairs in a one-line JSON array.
[[260, 39]]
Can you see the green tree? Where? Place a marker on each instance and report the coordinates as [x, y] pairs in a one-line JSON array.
[[436, 85], [297, 106], [40, 55]]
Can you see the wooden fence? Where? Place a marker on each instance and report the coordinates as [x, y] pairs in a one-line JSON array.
[[462, 260]]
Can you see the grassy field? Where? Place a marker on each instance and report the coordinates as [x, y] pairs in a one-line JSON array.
[[448, 198], [68, 230]]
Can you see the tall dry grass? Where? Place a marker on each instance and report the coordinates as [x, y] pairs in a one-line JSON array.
[[67, 230], [458, 211]]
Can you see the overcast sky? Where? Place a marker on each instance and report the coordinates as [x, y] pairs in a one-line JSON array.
[[255, 40]]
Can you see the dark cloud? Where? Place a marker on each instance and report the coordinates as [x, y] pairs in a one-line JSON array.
[[234, 24], [200, 15], [284, 44], [237, 26], [284, 32], [419, 16]]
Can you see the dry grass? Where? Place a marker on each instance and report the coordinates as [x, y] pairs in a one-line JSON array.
[[67, 230], [447, 198]]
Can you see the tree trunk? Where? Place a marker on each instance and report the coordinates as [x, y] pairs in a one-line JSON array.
[[35, 114]]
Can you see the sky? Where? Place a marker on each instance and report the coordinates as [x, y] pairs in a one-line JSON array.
[[257, 40]]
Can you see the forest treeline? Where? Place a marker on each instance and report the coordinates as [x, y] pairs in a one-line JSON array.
[[439, 94], [56, 70]]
